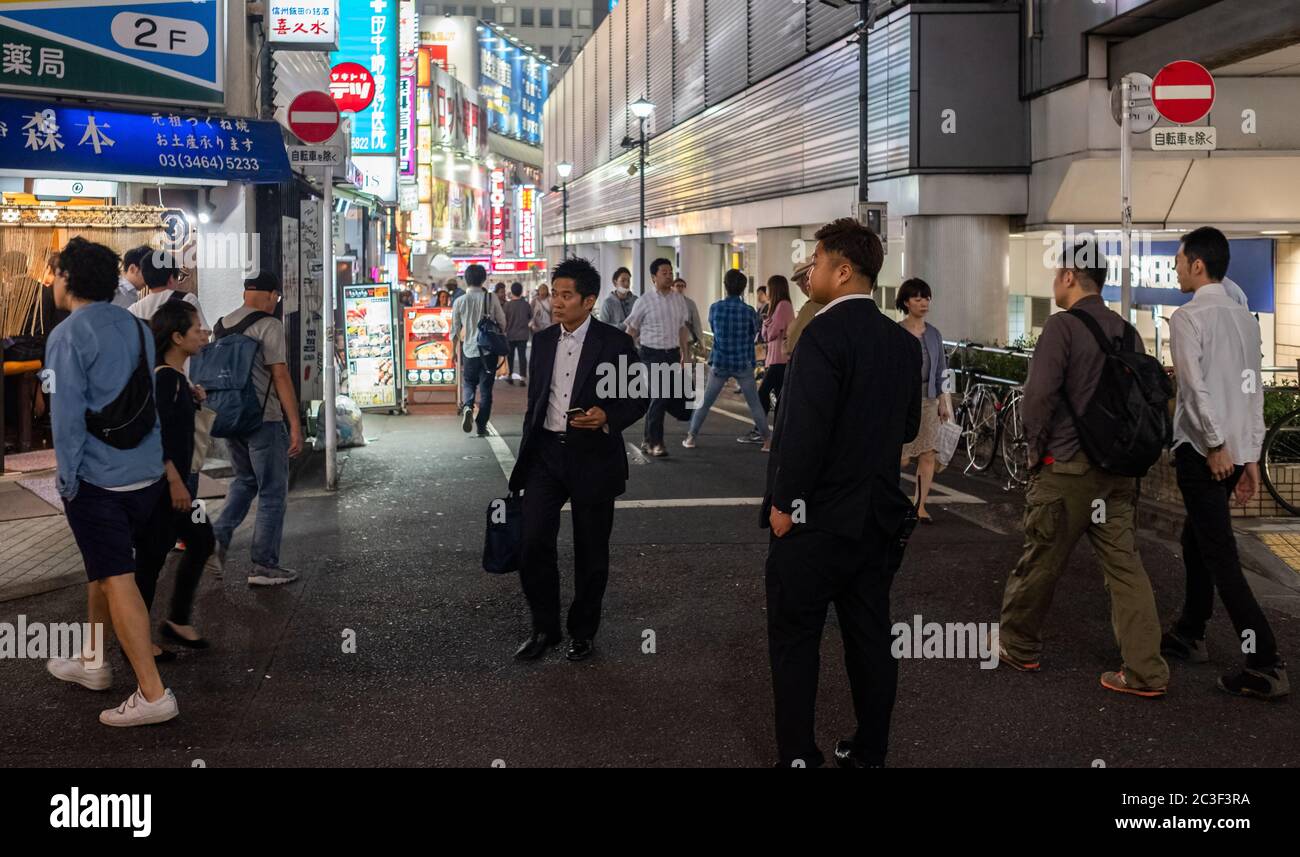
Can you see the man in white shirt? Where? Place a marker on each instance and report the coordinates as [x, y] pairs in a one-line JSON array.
[[659, 322], [162, 280], [1218, 432], [571, 450]]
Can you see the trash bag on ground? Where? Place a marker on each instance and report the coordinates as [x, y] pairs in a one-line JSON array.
[[351, 433]]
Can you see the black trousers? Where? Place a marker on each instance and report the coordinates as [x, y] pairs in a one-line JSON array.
[[168, 525], [548, 487], [773, 381], [518, 358], [807, 571], [654, 418], [1210, 556]]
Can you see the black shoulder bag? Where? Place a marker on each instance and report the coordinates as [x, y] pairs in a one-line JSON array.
[[128, 419]]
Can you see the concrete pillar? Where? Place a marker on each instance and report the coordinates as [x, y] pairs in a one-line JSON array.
[[612, 257], [965, 259], [700, 266]]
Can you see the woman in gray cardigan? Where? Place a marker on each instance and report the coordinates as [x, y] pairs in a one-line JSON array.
[[914, 300]]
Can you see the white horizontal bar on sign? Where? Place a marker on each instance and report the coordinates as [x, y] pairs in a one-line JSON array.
[[1198, 92], [313, 117]]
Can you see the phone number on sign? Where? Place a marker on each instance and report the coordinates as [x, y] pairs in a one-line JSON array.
[[208, 162]]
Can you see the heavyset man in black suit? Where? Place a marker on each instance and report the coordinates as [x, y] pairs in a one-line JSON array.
[[833, 499], [572, 450]]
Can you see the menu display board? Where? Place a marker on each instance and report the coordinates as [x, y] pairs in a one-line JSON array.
[[372, 382], [429, 348]]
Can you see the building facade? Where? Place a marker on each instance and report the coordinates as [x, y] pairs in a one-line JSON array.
[[557, 28], [988, 134]]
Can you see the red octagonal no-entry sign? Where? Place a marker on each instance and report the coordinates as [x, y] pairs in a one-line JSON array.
[[1183, 92]]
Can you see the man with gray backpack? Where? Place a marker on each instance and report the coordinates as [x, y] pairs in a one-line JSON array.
[[245, 374], [1096, 419], [478, 317]]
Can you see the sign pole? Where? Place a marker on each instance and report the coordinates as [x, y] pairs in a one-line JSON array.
[[327, 311], [1126, 198]]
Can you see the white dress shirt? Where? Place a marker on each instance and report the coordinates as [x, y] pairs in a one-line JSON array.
[[1216, 347], [568, 351], [843, 299]]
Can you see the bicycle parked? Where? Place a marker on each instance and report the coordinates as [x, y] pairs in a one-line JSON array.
[[992, 422]]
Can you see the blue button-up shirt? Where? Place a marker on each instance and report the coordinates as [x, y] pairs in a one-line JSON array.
[[89, 360], [735, 326]]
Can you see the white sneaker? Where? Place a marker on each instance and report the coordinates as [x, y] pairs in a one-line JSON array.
[[137, 711], [216, 564], [76, 671], [516, 377], [689, 441], [263, 576]]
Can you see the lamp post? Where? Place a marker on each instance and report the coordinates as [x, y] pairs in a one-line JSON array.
[[642, 109], [565, 169]]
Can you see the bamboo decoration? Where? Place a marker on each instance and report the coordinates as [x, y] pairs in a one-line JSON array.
[[24, 255]]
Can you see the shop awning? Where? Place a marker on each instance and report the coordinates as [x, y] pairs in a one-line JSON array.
[[49, 138], [360, 197], [1251, 193]]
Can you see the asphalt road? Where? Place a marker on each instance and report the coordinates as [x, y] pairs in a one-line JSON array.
[[395, 558]]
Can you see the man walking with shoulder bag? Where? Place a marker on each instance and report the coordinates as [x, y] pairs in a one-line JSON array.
[[260, 458], [1084, 478]]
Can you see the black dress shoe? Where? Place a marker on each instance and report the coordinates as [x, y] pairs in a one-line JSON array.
[[579, 650], [847, 756], [536, 646]]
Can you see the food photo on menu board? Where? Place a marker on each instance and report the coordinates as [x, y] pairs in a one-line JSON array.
[[369, 326], [428, 347]]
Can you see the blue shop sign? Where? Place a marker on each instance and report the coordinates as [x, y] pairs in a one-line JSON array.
[[42, 137], [1155, 282]]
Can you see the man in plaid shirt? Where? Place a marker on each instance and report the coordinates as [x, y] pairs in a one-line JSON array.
[[735, 327]]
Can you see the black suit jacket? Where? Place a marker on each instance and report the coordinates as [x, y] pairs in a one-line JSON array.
[[852, 398], [599, 456]]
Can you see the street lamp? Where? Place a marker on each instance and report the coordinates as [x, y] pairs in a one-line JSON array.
[[565, 169], [642, 109]]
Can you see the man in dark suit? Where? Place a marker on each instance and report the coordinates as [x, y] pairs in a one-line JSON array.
[[833, 502], [572, 450]]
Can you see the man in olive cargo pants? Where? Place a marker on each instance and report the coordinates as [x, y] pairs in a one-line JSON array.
[[1066, 500], [1069, 498]]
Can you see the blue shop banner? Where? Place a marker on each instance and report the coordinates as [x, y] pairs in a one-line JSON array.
[[1155, 282], [48, 137]]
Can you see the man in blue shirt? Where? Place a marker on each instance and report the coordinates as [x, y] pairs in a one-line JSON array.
[[735, 325], [112, 496]]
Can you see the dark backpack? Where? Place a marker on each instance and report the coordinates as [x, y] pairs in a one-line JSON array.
[[128, 419], [492, 341], [224, 369], [1126, 425]]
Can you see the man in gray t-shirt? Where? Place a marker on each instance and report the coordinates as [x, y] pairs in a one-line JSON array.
[[269, 333], [261, 460]]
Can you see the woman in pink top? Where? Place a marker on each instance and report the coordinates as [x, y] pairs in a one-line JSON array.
[[779, 317]]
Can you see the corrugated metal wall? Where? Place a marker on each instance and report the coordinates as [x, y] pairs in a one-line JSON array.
[[792, 133], [889, 107], [688, 60], [637, 50], [776, 36], [684, 55], [661, 59], [726, 49], [618, 100]]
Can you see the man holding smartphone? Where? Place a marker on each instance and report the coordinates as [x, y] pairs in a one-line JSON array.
[[572, 451]]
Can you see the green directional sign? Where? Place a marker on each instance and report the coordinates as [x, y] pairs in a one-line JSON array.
[[156, 51]]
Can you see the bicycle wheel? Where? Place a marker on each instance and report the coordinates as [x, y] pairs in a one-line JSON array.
[[982, 442], [1281, 459], [1015, 444]]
